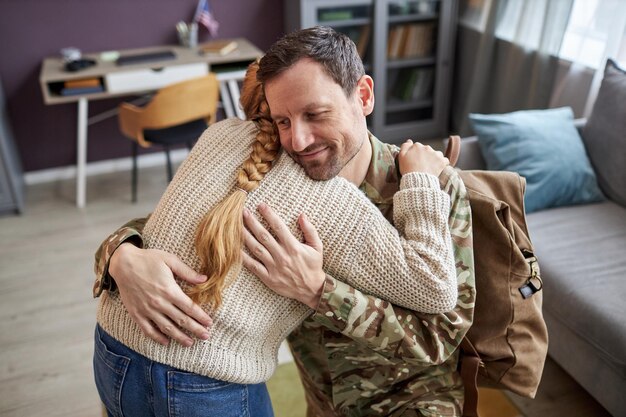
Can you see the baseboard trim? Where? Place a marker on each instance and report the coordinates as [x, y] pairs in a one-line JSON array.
[[102, 167]]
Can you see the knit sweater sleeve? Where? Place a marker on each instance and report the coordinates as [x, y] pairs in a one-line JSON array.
[[402, 334], [412, 266]]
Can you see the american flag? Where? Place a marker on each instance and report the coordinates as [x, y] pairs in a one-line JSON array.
[[205, 17]]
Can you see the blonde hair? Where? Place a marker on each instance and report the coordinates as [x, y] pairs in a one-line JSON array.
[[219, 237]]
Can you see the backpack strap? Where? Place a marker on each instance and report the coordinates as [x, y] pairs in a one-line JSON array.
[[453, 149], [470, 359], [470, 362]]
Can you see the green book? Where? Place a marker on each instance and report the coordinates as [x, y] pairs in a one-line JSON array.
[[331, 15], [407, 92]]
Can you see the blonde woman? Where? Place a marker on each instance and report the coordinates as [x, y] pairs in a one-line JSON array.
[[199, 219]]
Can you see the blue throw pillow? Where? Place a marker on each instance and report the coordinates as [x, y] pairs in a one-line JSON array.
[[544, 147]]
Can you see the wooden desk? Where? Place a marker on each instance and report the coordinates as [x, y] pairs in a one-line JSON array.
[[124, 80]]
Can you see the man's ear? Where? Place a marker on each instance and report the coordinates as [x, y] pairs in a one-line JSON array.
[[365, 92]]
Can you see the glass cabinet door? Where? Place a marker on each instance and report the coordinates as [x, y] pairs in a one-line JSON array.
[[407, 47], [411, 52], [354, 18]]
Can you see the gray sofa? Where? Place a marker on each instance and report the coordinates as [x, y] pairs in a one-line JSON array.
[[582, 256]]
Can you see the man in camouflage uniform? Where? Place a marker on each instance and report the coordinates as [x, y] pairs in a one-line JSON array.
[[359, 355]]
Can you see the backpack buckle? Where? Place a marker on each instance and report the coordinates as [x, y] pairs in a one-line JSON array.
[[530, 288]]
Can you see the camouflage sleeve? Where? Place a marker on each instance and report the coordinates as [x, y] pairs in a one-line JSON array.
[[398, 333], [129, 232]]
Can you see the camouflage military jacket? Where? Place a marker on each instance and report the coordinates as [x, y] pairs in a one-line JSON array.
[[359, 355]]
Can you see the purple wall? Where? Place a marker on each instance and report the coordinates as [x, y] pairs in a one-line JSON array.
[[33, 29]]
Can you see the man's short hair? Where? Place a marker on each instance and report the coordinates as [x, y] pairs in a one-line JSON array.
[[335, 51]]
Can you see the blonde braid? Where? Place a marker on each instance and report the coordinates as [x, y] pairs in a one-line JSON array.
[[219, 237]]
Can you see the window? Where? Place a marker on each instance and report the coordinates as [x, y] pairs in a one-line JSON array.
[[581, 31], [595, 28]]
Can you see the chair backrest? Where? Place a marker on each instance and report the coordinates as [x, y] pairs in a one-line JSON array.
[[171, 106]]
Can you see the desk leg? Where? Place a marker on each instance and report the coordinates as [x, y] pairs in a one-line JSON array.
[[81, 157]]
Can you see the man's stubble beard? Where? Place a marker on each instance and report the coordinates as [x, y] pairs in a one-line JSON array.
[[330, 168], [322, 171]]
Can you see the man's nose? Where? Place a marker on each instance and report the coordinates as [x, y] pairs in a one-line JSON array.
[[301, 136]]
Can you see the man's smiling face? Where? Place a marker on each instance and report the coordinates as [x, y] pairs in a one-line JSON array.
[[319, 126]]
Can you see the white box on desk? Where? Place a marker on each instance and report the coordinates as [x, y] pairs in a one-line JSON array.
[[152, 78]]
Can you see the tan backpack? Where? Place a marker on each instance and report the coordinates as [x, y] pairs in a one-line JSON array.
[[507, 344]]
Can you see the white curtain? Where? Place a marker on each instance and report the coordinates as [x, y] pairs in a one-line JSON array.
[[506, 56], [596, 31]]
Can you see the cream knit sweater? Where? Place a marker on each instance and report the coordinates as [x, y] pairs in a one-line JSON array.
[[360, 248]]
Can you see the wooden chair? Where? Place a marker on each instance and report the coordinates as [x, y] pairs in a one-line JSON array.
[[177, 114]]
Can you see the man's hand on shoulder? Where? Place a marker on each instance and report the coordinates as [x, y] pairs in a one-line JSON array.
[[145, 279]]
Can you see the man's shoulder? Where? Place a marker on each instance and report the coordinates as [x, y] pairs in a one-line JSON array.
[[383, 156], [380, 146], [382, 180]]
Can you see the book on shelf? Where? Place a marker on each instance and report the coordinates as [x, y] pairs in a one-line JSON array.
[[412, 40], [407, 94], [403, 83], [413, 84], [424, 84], [395, 41], [420, 40], [364, 40], [85, 82], [81, 90], [218, 47], [360, 35], [333, 15]]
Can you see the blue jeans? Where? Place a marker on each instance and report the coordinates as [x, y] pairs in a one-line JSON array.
[[132, 385]]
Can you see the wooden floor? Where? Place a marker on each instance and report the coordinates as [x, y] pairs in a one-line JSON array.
[[47, 315]]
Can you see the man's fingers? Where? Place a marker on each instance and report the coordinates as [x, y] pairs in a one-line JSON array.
[[256, 249], [264, 237], [277, 224], [169, 328], [254, 266], [182, 270], [311, 237], [152, 331], [185, 320], [179, 309], [174, 303], [194, 312], [183, 311], [170, 318], [156, 302]]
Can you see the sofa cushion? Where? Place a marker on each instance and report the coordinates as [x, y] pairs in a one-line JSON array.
[[544, 147], [605, 134], [581, 255]]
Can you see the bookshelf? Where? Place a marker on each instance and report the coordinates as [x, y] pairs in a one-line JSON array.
[[407, 46]]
